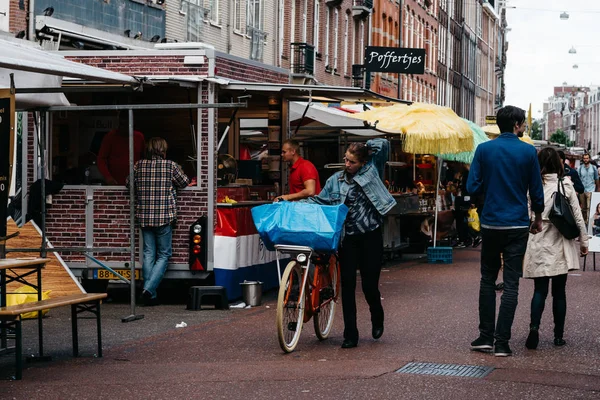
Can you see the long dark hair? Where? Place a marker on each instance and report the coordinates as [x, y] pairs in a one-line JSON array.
[[550, 162]]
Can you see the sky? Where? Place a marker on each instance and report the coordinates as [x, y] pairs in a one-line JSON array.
[[538, 50]]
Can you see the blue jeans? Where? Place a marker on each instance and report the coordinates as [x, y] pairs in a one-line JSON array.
[[157, 251], [511, 245]]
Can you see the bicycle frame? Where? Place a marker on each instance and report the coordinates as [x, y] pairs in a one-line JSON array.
[[297, 250]]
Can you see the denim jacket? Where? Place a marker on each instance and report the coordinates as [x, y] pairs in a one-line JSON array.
[[369, 177]]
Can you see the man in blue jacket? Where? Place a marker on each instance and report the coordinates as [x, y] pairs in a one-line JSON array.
[[504, 171]]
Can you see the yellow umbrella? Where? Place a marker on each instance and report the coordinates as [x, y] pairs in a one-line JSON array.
[[527, 139], [491, 130], [425, 128]]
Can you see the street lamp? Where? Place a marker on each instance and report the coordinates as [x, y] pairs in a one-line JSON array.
[[572, 50], [575, 66], [564, 16]]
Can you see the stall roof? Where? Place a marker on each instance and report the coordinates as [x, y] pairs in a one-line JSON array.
[[330, 116], [332, 94]]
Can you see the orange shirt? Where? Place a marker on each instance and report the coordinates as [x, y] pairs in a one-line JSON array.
[[301, 171]]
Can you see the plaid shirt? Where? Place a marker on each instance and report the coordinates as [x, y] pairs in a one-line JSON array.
[[156, 182]]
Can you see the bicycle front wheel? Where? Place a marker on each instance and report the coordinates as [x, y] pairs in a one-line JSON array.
[[328, 294], [290, 307]]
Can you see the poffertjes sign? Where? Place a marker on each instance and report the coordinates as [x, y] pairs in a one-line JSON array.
[[395, 59]]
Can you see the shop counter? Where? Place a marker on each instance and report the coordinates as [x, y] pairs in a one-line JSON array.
[[239, 253]]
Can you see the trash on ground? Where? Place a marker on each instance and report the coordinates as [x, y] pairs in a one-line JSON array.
[[241, 304], [181, 325]]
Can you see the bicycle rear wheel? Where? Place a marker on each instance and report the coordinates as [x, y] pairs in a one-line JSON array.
[[328, 294], [290, 307]]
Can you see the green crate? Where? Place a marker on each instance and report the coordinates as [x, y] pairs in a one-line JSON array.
[[439, 255]]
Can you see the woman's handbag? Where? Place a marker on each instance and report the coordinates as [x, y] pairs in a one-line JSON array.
[[561, 213]]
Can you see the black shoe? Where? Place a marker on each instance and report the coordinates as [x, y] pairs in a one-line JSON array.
[[559, 342], [460, 245], [482, 344], [377, 331], [502, 350], [533, 339], [476, 242], [148, 300], [348, 343]]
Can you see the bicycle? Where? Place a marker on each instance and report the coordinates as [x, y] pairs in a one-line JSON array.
[[306, 292]]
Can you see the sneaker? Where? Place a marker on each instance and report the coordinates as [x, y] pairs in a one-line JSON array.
[[559, 342], [460, 245], [476, 242], [502, 350], [482, 344]]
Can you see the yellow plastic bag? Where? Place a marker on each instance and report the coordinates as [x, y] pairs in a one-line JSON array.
[[26, 294], [473, 220]]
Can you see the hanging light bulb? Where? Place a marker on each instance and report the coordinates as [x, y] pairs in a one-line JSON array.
[[572, 50], [564, 16]]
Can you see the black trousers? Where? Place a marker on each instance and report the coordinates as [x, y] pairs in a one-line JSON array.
[[362, 252], [511, 243], [559, 302]]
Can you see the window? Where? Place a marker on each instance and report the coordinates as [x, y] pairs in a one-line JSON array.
[[346, 27], [254, 14], [213, 7], [237, 15], [317, 25], [327, 18], [336, 26], [195, 13], [362, 42]]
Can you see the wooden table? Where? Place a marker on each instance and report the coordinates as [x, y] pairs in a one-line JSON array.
[[20, 268]]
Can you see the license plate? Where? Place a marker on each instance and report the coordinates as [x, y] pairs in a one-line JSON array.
[[105, 274]]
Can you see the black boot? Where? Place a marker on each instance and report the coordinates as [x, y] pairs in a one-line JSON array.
[[533, 339]]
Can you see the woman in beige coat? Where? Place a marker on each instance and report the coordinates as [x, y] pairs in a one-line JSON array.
[[549, 255]]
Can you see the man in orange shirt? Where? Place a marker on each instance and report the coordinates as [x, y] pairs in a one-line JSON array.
[[113, 157], [304, 178]]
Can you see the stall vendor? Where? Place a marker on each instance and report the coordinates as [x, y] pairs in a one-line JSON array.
[[304, 178], [113, 157]]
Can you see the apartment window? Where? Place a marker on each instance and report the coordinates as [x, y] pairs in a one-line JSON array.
[[411, 29], [195, 14], [336, 38], [317, 25], [346, 27], [327, 19], [361, 50], [237, 15], [213, 7], [254, 14], [478, 18]]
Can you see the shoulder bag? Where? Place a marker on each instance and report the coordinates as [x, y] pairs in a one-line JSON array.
[[561, 213]]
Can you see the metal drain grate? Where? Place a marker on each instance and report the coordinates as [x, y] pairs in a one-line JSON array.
[[467, 371]]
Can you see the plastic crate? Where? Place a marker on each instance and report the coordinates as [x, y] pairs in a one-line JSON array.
[[441, 255]]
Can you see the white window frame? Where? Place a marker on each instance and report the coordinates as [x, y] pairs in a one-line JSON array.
[[213, 6], [317, 25], [346, 41], [251, 14], [336, 39], [327, 27], [237, 16]]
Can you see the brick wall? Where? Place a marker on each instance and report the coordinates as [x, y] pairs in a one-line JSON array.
[[17, 16], [232, 68], [142, 65]]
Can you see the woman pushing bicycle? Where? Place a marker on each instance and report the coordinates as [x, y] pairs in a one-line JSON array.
[[360, 187]]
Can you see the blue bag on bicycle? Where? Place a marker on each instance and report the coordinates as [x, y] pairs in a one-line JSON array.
[[300, 224]]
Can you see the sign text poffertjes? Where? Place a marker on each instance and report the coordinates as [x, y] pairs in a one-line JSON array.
[[395, 59]]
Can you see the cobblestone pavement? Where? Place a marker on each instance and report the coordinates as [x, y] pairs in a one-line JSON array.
[[431, 316]]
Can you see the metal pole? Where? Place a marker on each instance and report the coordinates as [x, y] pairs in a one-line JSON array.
[[132, 316], [42, 147], [439, 178], [400, 5]]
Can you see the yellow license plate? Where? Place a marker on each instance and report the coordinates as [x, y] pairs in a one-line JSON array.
[[105, 274]]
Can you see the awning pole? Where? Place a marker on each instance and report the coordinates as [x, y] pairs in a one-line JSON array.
[[437, 189], [132, 316]]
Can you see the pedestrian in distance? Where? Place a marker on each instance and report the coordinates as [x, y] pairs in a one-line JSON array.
[[550, 255], [571, 173], [503, 171], [156, 181], [589, 177], [360, 187]]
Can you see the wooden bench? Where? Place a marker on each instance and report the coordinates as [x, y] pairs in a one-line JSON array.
[[84, 302]]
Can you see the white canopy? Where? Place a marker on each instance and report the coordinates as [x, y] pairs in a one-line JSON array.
[[330, 116], [36, 68]]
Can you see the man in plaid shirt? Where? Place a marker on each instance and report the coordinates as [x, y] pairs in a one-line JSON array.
[[156, 181]]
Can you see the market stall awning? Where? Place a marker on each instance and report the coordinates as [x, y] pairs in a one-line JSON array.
[[320, 114], [35, 68], [323, 93]]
